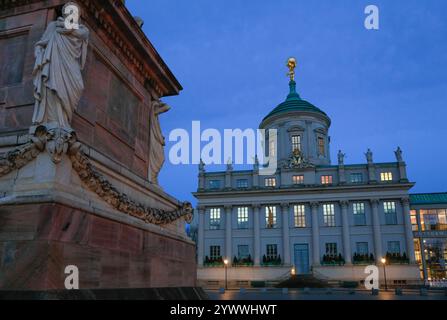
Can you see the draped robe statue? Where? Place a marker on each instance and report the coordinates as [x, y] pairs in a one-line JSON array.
[[58, 85], [157, 141]]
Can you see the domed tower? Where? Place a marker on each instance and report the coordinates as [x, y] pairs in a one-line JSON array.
[[302, 129]]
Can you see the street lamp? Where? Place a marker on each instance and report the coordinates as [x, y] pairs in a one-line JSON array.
[[226, 281], [293, 271], [383, 260]]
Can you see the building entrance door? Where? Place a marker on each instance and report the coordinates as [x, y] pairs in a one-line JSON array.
[[302, 258]]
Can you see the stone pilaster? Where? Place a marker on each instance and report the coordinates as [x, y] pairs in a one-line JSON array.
[[228, 234], [201, 236], [346, 233], [257, 235], [315, 234], [376, 230], [408, 230], [285, 233]]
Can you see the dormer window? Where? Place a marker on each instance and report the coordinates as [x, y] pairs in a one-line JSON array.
[[296, 143], [321, 147]]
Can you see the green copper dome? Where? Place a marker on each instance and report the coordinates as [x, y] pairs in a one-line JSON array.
[[294, 103]]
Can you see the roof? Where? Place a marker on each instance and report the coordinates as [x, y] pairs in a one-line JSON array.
[[428, 198], [294, 103]]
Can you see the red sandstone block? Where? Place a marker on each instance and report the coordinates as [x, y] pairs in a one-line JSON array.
[[130, 239], [103, 233]]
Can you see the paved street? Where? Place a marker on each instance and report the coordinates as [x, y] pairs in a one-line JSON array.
[[321, 294]]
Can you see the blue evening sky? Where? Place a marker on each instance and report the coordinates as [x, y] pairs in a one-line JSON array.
[[382, 89]]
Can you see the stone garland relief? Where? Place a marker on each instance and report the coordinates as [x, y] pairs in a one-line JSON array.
[[58, 86]]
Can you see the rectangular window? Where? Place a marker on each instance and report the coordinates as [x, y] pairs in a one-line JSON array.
[[394, 247], [329, 215], [300, 216], [326, 179], [214, 218], [242, 218], [272, 251], [298, 179], [331, 249], [386, 176], [242, 183], [296, 143], [321, 147], [270, 217], [214, 184], [356, 178], [242, 252], [215, 252], [270, 182], [362, 248], [414, 220], [433, 219], [359, 214], [389, 208]]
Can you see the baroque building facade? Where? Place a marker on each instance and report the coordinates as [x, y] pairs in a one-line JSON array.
[[311, 216]]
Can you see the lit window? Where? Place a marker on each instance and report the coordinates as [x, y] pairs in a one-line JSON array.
[[215, 219], [300, 216], [270, 217], [242, 183], [321, 147], [326, 179], [272, 251], [215, 252], [362, 248], [270, 182], [242, 218], [386, 176], [394, 247], [356, 178], [214, 184], [414, 220], [296, 143], [389, 208], [331, 249], [243, 252], [434, 219], [298, 179], [329, 215], [359, 213]]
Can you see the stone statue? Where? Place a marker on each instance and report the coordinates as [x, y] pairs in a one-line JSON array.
[[157, 140], [201, 166], [341, 158], [60, 56], [256, 165], [229, 165], [398, 154], [369, 156]]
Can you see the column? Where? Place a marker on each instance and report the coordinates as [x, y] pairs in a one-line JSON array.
[[257, 235], [228, 229], [408, 230], [285, 233], [376, 230], [200, 236], [422, 245], [315, 234], [346, 234]]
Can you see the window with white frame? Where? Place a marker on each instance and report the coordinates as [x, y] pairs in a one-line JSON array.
[[270, 217], [394, 247], [242, 218], [358, 209], [296, 143], [331, 249], [242, 183], [299, 179], [326, 179], [215, 218], [386, 176], [389, 208], [356, 178], [272, 251], [299, 212], [215, 252], [329, 215], [270, 182]]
